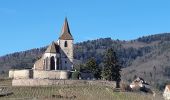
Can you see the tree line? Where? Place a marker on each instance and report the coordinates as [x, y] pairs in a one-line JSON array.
[[110, 69]]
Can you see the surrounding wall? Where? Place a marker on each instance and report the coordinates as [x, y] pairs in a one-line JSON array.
[[43, 78], [21, 74], [38, 74], [11, 73], [56, 74], [45, 82]]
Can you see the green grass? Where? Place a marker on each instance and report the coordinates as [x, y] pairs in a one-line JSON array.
[[71, 92]]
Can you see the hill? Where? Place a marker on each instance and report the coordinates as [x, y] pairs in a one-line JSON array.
[[147, 57]]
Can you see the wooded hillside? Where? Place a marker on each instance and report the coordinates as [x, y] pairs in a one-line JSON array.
[[148, 57]]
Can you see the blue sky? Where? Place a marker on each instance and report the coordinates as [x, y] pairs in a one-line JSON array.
[[27, 24]]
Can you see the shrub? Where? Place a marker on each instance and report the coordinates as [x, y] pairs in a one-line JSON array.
[[75, 75], [125, 87]]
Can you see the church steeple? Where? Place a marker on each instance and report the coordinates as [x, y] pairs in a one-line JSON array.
[[65, 33], [65, 28]]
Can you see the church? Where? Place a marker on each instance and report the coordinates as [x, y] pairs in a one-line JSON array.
[[59, 54], [55, 63]]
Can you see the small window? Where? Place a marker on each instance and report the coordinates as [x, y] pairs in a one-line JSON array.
[[65, 62], [65, 44]]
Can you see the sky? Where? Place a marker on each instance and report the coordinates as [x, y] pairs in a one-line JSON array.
[[27, 24]]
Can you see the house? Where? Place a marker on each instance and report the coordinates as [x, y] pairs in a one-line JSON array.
[[139, 84], [166, 93]]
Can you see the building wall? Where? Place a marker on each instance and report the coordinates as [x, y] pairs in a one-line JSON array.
[[66, 54], [166, 94], [39, 65], [66, 64], [49, 55]]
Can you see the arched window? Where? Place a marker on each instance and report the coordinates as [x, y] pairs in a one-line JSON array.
[[52, 63], [44, 66], [65, 44], [46, 63], [58, 64]]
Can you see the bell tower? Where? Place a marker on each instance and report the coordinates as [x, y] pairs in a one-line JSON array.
[[66, 47]]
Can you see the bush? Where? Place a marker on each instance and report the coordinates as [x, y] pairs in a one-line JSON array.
[[125, 87], [75, 75]]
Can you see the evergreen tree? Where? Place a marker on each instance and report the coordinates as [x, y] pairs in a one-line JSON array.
[[111, 70], [93, 68]]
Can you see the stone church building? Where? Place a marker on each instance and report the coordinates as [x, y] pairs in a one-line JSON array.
[[59, 55], [55, 63]]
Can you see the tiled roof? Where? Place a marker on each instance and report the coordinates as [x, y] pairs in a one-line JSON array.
[[53, 48], [65, 33]]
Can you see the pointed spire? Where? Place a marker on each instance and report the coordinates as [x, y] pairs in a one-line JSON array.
[[52, 48], [65, 33], [65, 28]]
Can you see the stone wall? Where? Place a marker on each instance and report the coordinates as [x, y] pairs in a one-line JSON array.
[[39, 64], [20, 74], [38, 74], [11, 73], [66, 54], [56, 74], [45, 82]]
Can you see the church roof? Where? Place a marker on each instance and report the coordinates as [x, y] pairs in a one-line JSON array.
[[168, 86], [53, 48], [65, 33]]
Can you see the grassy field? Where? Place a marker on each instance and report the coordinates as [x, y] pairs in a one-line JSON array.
[[85, 92]]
